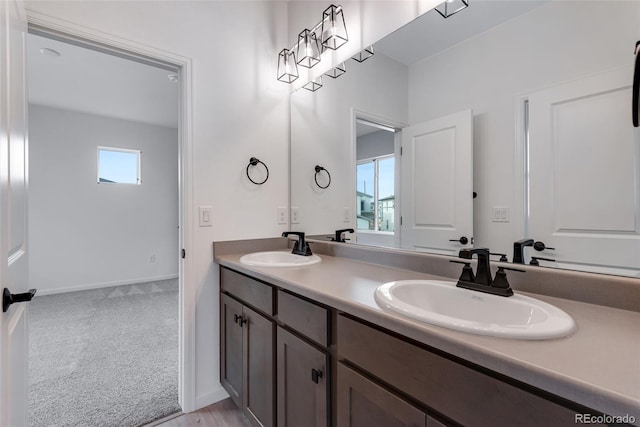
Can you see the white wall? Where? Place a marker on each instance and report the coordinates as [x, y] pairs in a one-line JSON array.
[[83, 234], [323, 133], [239, 110], [490, 71], [375, 144]]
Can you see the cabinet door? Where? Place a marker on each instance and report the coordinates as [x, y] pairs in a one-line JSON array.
[[259, 386], [302, 383], [231, 364], [363, 403]]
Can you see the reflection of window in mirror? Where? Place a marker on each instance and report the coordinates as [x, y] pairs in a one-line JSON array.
[[375, 178]]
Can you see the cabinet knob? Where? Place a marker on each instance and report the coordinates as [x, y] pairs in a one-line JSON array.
[[316, 375], [239, 319]]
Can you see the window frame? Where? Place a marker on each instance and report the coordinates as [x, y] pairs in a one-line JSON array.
[[120, 150], [376, 161]]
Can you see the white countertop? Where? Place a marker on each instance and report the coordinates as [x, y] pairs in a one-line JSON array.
[[598, 366]]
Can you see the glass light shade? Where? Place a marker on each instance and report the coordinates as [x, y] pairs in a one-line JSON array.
[[364, 54], [314, 84], [334, 30], [287, 67], [308, 53], [450, 7], [336, 72]]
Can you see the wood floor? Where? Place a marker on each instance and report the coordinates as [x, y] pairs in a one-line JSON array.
[[221, 414]]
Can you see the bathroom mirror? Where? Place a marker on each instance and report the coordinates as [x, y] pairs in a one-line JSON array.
[[555, 157]]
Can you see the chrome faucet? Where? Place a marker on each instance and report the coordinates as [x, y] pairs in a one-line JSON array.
[[301, 247]]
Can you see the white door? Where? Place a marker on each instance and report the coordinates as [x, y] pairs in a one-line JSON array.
[[585, 173], [437, 184], [13, 213]]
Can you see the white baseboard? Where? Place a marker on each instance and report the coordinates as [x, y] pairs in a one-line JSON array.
[[105, 284], [211, 397]]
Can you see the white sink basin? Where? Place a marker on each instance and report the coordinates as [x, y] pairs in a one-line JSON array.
[[278, 259], [441, 303]]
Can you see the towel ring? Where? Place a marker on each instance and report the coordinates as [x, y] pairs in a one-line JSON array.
[[253, 162], [318, 170]]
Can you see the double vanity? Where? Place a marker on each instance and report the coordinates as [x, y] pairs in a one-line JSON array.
[[357, 336]]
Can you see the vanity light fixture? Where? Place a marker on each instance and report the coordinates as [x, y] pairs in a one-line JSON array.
[[329, 33], [334, 30], [287, 67], [308, 49], [337, 71], [363, 55], [314, 84], [449, 7]]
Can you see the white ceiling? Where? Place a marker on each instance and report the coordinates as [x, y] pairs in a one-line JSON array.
[[431, 33], [89, 81]]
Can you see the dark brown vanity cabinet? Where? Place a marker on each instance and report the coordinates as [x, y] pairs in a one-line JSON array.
[[247, 353], [288, 361], [303, 380], [363, 403], [275, 361], [380, 373], [302, 362]]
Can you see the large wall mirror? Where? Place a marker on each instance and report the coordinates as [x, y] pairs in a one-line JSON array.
[[509, 120]]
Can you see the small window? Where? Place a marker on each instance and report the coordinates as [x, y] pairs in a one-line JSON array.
[[118, 166]]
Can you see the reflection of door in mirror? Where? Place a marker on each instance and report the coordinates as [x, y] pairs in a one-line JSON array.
[[437, 184], [584, 173], [376, 184]]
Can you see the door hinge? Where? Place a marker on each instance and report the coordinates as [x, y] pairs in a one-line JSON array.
[[401, 151], [183, 254], [400, 220]]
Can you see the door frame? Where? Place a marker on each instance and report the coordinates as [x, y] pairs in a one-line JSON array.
[[397, 144], [108, 43]]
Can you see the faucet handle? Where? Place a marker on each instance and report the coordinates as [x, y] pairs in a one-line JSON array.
[[467, 272], [503, 257], [535, 259], [501, 282]]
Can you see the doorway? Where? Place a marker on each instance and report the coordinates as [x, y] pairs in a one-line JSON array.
[[376, 183], [103, 230]]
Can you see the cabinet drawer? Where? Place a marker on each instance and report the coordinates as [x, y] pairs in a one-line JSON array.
[[250, 291], [457, 391], [305, 317]]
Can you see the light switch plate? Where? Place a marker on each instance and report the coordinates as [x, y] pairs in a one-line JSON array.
[[500, 214], [295, 215], [205, 215], [347, 214]]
